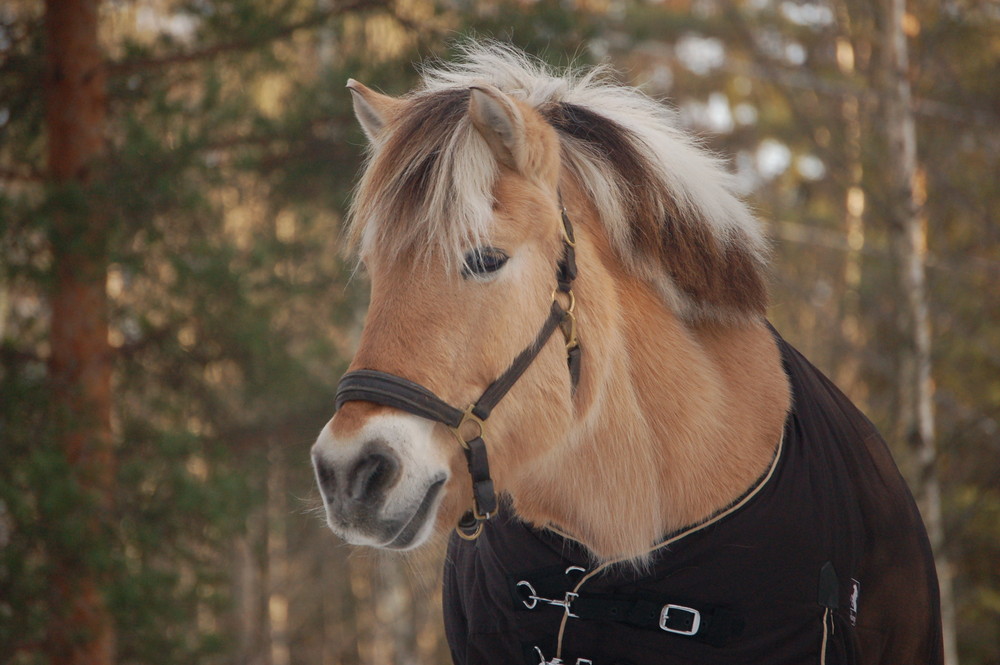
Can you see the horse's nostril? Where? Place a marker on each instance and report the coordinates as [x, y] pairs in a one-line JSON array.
[[373, 473], [325, 475]]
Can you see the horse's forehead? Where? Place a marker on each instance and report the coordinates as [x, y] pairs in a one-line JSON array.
[[514, 195], [521, 212], [522, 209]]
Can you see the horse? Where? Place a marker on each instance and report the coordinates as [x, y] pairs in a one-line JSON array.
[[566, 357]]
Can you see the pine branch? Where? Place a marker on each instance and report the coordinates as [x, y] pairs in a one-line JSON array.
[[14, 358], [15, 175], [130, 66]]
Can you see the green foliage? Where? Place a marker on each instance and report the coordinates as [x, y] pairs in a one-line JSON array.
[[220, 323], [44, 514], [545, 29]]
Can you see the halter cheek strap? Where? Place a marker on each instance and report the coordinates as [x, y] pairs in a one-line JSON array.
[[399, 393]]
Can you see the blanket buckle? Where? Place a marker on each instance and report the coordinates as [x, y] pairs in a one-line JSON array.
[[533, 599], [688, 618], [558, 661]]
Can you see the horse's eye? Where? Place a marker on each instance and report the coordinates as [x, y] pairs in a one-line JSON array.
[[483, 261]]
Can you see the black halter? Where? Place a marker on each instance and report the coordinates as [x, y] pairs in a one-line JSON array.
[[399, 393]]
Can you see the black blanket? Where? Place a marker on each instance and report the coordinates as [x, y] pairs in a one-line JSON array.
[[826, 554]]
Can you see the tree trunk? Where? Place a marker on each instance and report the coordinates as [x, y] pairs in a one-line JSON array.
[[82, 631], [908, 231], [277, 558], [365, 636], [394, 609], [848, 370], [246, 622], [340, 607]]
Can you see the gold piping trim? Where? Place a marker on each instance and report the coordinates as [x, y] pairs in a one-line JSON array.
[[673, 539]]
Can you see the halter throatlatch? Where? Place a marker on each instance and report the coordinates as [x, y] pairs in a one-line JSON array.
[[468, 426]]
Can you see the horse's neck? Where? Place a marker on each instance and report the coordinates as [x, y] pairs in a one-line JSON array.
[[675, 422]]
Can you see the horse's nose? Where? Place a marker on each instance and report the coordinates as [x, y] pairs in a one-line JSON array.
[[360, 483], [371, 475]]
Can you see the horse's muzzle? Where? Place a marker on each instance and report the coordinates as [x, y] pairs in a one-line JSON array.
[[374, 491]]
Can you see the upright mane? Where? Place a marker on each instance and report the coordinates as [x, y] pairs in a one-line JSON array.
[[669, 208]]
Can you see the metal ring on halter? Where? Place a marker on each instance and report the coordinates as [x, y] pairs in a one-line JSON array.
[[572, 299], [472, 535], [469, 417]]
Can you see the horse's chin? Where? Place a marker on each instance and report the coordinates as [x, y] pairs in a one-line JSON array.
[[420, 526], [437, 519]]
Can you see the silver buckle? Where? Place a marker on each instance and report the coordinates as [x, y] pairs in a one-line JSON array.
[[567, 600], [534, 598], [542, 660], [695, 619], [557, 661]]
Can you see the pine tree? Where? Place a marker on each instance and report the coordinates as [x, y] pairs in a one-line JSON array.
[[83, 632]]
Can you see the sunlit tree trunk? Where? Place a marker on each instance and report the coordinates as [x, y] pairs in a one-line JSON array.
[[394, 610], [277, 559], [82, 631], [340, 607], [246, 600], [852, 332], [908, 229]]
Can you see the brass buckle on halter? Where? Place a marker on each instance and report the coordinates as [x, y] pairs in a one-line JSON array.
[[567, 228], [568, 324], [469, 417], [479, 518]]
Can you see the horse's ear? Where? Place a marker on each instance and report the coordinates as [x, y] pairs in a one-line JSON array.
[[372, 109], [500, 122]]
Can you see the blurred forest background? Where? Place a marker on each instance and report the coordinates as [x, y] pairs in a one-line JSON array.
[[175, 310]]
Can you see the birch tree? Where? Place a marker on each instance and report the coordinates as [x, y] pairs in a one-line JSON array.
[[907, 227]]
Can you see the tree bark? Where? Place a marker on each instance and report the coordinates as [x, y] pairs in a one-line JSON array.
[[908, 230], [394, 608], [279, 646], [82, 631], [246, 623], [848, 370]]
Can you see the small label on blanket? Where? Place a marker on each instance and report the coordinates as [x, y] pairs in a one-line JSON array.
[[855, 593]]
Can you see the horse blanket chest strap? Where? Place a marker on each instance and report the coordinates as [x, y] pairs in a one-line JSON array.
[[712, 624], [468, 426]]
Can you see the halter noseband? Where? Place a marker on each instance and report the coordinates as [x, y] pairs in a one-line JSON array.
[[399, 393]]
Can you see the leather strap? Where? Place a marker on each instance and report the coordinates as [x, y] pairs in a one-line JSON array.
[[390, 390], [501, 386], [712, 624], [567, 266], [383, 388], [716, 625], [484, 498]]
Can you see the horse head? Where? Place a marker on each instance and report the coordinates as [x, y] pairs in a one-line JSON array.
[[461, 220], [451, 316]]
